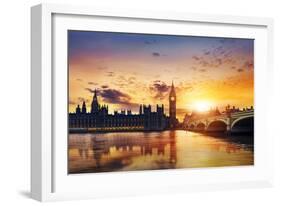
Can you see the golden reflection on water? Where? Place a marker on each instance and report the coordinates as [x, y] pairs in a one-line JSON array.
[[131, 151]]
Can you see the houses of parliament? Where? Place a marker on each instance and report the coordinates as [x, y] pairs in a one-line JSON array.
[[98, 118]]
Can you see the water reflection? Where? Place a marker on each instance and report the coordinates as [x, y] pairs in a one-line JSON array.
[[154, 150]]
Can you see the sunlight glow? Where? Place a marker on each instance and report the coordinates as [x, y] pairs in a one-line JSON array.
[[202, 106]]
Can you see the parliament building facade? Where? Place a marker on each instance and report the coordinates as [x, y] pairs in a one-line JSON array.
[[98, 118]]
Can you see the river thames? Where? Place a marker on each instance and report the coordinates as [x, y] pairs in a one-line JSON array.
[[131, 151]]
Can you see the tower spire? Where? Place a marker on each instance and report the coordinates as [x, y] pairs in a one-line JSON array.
[[172, 87], [95, 103], [172, 92], [172, 107], [78, 110], [84, 109], [95, 93]]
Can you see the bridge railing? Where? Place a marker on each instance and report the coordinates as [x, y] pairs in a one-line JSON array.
[[208, 117]]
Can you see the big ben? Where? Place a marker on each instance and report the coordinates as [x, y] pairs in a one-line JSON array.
[[172, 107]]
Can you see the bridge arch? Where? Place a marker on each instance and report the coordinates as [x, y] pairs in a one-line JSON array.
[[192, 127], [200, 126], [217, 126], [243, 125]]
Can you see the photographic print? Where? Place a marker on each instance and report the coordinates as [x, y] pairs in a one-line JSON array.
[[150, 102]]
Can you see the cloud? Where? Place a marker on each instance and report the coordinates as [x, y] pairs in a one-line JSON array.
[[196, 58], [104, 86], [159, 89], [90, 90], [185, 86], [131, 80], [248, 65], [202, 70], [207, 53], [122, 81], [110, 74], [156, 54], [79, 80], [227, 54], [214, 58], [71, 102], [206, 60], [218, 61], [219, 48], [92, 83], [204, 63], [114, 96]]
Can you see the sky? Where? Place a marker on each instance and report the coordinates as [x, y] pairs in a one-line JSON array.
[[131, 69]]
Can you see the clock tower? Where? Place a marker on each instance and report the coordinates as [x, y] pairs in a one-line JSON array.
[[172, 107]]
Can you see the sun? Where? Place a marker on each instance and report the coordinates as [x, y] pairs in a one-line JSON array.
[[202, 106]]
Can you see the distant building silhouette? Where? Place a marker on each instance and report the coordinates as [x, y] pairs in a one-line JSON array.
[[98, 119]]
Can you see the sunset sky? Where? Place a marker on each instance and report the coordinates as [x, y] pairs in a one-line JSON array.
[[133, 69]]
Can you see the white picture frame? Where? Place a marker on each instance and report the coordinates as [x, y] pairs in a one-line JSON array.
[[48, 156]]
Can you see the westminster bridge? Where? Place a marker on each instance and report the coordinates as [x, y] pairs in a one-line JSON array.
[[230, 122]]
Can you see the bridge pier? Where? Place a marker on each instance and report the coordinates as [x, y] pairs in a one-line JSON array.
[[228, 126]]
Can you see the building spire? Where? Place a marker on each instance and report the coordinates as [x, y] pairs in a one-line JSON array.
[[78, 110], [172, 91], [172, 87], [84, 109], [95, 93], [95, 104]]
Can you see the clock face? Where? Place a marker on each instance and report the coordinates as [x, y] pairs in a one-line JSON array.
[[172, 98]]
